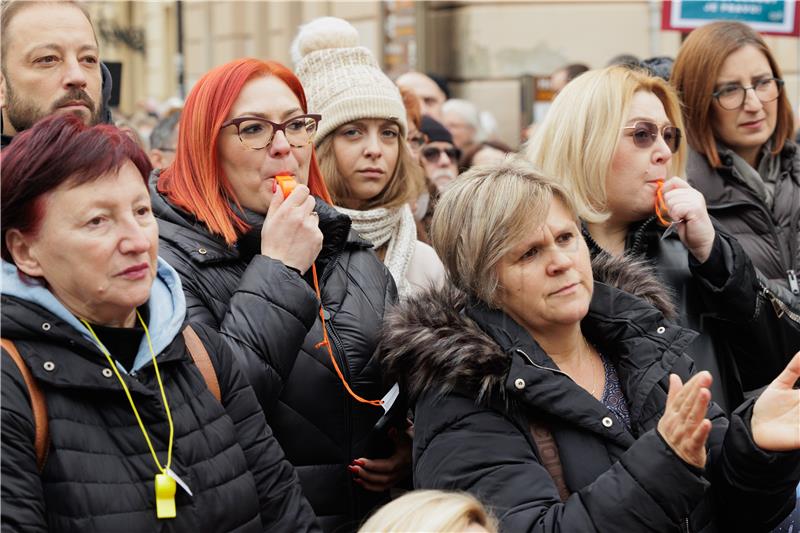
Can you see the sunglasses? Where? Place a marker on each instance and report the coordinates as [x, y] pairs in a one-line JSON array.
[[432, 154], [645, 134]]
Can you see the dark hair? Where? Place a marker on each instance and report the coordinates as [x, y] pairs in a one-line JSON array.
[[694, 76], [56, 150], [573, 70], [627, 60], [163, 130], [660, 66]]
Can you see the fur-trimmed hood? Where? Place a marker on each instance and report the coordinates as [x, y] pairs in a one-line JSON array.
[[432, 341]]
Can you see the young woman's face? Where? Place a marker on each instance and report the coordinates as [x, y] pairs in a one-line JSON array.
[[746, 128], [366, 153], [250, 172], [632, 181]]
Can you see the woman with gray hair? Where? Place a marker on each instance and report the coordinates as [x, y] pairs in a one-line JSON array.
[[566, 404], [463, 119]]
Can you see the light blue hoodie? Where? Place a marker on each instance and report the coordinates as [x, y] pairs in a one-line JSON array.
[[167, 307]]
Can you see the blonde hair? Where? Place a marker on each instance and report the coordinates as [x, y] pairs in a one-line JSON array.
[[577, 139], [483, 216], [430, 511], [404, 185]]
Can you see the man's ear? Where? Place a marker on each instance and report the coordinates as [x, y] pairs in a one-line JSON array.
[[22, 251]]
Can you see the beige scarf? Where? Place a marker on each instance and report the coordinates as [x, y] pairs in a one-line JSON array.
[[395, 226]]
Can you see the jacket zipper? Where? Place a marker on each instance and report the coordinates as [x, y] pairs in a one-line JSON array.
[[544, 367], [685, 527], [333, 338], [791, 274], [779, 307]]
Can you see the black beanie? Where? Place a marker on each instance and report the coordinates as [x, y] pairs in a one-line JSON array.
[[434, 130]]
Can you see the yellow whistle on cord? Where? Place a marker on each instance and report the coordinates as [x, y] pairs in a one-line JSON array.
[[165, 496]]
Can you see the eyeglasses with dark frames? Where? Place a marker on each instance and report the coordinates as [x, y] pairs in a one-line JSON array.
[[645, 134], [257, 133], [433, 153], [733, 96]]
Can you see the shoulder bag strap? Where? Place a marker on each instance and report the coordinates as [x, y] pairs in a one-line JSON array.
[[551, 460], [40, 424], [202, 360]]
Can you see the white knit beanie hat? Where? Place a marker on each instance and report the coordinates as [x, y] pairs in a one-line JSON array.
[[341, 79]]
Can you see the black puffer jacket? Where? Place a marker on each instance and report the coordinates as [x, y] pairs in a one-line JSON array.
[[99, 472], [771, 237], [742, 342], [272, 315], [477, 379]]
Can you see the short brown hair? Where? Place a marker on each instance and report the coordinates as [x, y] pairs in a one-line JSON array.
[[694, 76], [484, 214], [404, 185], [10, 8]]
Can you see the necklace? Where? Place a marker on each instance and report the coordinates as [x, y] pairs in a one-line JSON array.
[[164, 483]]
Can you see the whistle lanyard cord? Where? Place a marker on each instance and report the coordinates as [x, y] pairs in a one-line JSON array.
[[111, 362], [325, 342], [660, 204]]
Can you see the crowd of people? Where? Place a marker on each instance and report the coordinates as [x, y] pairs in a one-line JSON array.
[[318, 299]]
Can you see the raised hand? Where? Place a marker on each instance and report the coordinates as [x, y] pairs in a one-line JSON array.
[[291, 231], [776, 414], [683, 424], [687, 205]]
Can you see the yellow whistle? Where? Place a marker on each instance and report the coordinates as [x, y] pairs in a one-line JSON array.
[[165, 496]]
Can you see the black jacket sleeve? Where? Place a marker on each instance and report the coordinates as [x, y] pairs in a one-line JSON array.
[[270, 315], [264, 322], [23, 507], [485, 453], [283, 505], [763, 342], [754, 489]]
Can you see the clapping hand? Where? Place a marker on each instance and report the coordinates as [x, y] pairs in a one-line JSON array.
[[683, 424], [776, 413], [688, 206]]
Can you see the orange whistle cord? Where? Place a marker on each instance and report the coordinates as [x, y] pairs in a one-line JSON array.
[[325, 342], [660, 204], [287, 184]]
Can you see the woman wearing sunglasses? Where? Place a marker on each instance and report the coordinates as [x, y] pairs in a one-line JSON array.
[[256, 265], [363, 150], [739, 127], [613, 137]]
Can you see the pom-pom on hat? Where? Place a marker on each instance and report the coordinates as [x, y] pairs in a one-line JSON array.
[[342, 79]]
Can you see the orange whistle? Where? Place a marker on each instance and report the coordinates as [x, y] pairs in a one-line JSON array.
[[286, 183]]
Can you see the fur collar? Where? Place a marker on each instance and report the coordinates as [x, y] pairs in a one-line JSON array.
[[432, 341]]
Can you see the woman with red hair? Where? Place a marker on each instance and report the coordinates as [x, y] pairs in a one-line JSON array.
[[257, 266]]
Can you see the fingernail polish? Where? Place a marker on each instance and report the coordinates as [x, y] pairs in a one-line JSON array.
[[352, 469], [274, 186], [359, 463]]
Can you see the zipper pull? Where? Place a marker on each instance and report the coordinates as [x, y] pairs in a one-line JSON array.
[[793, 281]]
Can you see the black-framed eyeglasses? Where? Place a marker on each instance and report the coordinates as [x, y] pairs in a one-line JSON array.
[[645, 134], [257, 133], [732, 97], [433, 153]]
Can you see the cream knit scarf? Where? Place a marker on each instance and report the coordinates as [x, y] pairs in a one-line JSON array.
[[395, 226]]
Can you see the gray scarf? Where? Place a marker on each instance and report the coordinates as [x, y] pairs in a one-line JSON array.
[[761, 181]]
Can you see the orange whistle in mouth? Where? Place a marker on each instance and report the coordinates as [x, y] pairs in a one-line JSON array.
[[286, 183]]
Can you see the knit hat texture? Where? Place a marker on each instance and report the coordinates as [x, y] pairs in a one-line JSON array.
[[342, 80], [434, 130]]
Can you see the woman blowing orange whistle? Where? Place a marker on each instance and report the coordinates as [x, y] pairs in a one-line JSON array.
[[246, 254]]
